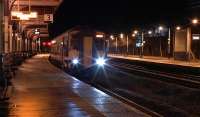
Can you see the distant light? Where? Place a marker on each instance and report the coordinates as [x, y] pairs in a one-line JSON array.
[[121, 36], [112, 37], [194, 21], [99, 36], [160, 28], [149, 32], [178, 28], [75, 61], [133, 35], [195, 37], [53, 41], [135, 32]]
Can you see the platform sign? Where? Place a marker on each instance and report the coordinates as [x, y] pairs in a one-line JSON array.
[[48, 17]]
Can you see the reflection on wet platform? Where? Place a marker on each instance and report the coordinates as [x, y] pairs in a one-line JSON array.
[[41, 90]]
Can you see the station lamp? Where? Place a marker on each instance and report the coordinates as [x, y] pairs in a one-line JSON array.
[[99, 36], [178, 28], [160, 28], [53, 41], [121, 36], [150, 32], [194, 21], [112, 37], [135, 32], [24, 16], [133, 35]]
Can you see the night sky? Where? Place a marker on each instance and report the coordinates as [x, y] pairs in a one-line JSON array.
[[117, 15]]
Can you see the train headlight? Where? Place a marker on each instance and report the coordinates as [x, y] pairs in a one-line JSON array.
[[75, 61], [100, 61]]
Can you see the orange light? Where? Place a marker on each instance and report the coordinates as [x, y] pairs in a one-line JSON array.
[[135, 32], [178, 28], [194, 21]]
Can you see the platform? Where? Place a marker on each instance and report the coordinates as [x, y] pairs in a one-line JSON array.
[[42, 90], [162, 60]]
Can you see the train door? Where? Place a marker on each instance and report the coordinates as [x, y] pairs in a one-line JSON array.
[[87, 51]]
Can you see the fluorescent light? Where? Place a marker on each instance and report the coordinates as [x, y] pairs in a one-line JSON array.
[[33, 15], [99, 36]]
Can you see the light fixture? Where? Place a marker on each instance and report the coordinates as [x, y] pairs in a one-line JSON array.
[[160, 28], [100, 61], [121, 36], [24, 16], [135, 32], [178, 28], [16, 13], [194, 21], [133, 35], [112, 37], [33, 15], [149, 32], [53, 41], [75, 61]]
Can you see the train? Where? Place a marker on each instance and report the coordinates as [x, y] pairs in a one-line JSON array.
[[80, 48]]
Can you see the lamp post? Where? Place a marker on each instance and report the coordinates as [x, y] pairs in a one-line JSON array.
[[127, 44], [122, 37], [169, 43], [116, 45], [160, 28], [142, 46]]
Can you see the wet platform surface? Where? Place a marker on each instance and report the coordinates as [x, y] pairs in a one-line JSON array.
[[42, 90], [163, 60]]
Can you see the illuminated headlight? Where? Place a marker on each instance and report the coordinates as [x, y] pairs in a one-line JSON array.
[[100, 61], [75, 61]]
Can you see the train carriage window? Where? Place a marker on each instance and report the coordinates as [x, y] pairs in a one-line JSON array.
[[99, 44]]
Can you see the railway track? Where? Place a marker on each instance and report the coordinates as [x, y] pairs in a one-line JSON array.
[[187, 80], [127, 101], [153, 107]]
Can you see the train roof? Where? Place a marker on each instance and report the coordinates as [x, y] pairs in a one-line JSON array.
[[77, 29]]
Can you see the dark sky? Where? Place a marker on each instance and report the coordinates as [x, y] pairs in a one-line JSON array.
[[116, 15]]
